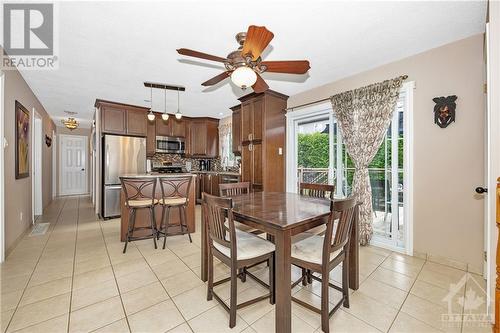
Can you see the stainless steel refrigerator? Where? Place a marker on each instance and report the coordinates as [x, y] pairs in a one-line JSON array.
[[122, 155]]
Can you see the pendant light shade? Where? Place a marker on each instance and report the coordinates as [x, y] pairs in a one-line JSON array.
[[151, 116], [164, 116], [178, 114]]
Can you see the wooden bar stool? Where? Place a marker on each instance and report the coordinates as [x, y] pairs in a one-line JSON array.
[[139, 194], [235, 248], [174, 194], [321, 254]]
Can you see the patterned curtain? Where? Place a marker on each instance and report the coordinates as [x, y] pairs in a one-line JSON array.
[[363, 116]]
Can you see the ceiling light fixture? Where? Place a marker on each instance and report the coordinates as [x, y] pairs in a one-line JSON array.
[[151, 115], [178, 114], [244, 77], [70, 123], [164, 116]]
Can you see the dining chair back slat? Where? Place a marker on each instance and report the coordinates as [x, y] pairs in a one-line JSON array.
[[317, 190], [216, 209], [233, 189], [344, 209]]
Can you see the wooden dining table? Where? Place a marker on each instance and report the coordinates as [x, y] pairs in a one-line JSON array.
[[284, 215]]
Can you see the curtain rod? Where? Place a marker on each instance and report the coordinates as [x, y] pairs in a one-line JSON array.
[[320, 100]]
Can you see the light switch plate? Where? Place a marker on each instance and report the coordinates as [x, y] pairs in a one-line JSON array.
[[280, 151]]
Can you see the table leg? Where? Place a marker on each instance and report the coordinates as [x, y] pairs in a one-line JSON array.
[[283, 278], [204, 248], [354, 252]]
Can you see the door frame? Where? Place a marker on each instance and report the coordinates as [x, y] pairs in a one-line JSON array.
[[54, 164], [37, 166], [61, 140], [2, 170]]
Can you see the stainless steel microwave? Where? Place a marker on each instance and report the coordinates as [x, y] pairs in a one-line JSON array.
[[170, 145]]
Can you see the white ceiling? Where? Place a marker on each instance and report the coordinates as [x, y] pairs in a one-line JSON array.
[[108, 49]]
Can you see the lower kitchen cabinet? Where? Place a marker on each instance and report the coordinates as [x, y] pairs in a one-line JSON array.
[[209, 183]]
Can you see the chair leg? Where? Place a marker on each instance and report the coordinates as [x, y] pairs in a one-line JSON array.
[[184, 221], [345, 281], [242, 274], [272, 297], [233, 300], [210, 282], [130, 228], [166, 222], [153, 224], [309, 276], [304, 277], [161, 222], [325, 318]]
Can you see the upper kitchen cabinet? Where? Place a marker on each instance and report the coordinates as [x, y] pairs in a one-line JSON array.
[[123, 119], [236, 129], [151, 139], [204, 139], [262, 123], [137, 122], [171, 127]]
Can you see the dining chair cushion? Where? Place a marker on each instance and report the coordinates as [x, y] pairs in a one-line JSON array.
[[311, 250], [173, 201], [142, 203], [248, 246]]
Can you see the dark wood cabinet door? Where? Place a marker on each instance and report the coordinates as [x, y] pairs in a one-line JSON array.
[[212, 143], [198, 137], [178, 127], [246, 121], [236, 132], [187, 139], [163, 127], [207, 183], [151, 138], [137, 122], [246, 163], [114, 120], [257, 177], [257, 118], [215, 184]]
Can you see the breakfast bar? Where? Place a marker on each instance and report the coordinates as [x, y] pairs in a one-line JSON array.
[[142, 217]]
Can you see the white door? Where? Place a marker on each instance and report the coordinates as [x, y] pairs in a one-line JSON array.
[[73, 170]]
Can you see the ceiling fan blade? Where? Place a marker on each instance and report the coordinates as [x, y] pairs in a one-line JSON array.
[[287, 66], [260, 85], [217, 79], [257, 39], [196, 54]]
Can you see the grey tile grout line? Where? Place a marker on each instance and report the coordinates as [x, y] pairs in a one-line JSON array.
[[34, 268], [114, 275], [74, 263]]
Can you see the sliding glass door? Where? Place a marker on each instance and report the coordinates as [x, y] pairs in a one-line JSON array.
[[320, 156]]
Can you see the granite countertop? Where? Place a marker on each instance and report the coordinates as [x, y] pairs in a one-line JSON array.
[[156, 175], [226, 173]]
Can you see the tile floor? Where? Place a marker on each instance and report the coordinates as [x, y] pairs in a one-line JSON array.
[[76, 279]]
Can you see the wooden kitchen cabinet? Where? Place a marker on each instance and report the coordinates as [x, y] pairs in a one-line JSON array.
[[151, 139], [114, 120], [262, 123], [204, 137], [236, 129], [178, 127], [137, 122], [170, 127]]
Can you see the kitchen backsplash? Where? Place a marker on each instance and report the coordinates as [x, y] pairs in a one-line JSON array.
[[195, 162]]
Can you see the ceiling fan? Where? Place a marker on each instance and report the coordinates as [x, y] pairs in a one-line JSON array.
[[245, 65]]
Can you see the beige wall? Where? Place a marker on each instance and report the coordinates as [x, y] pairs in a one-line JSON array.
[[18, 192], [448, 163], [81, 132]]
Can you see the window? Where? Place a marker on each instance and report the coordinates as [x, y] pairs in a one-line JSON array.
[[226, 142]]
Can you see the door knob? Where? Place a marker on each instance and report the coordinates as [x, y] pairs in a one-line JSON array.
[[481, 190], [83, 169]]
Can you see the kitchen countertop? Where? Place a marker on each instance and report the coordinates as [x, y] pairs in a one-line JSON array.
[[157, 175], [226, 173]]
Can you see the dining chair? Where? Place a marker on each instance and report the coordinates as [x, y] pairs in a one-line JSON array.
[[174, 194], [139, 194], [321, 254], [235, 248]]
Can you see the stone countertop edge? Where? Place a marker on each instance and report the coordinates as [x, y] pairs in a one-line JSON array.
[[157, 175], [228, 173]]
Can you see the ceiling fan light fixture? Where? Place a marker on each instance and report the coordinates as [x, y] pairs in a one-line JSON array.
[[70, 123], [244, 77]]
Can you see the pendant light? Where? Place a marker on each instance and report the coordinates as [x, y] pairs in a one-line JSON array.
[[178, 114], [164, 116], [151, 115]]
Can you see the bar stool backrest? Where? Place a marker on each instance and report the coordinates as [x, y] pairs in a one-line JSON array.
[[344, 210], [175, 186], [215, 211], [138, 189], [317, 190], [232, 189]]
